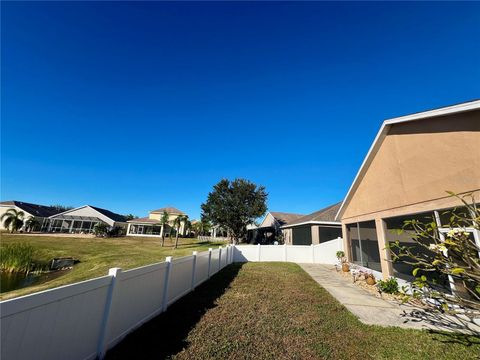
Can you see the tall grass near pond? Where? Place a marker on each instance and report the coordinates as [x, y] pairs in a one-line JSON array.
[[19, 258]]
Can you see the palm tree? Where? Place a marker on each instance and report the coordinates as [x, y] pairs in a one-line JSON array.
[[177, 223], [164, 221], [31, 223], [13, 219], [188, 227], [200, 227]]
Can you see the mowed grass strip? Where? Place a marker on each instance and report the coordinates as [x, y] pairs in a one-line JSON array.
[[276, 311], [97, 255]]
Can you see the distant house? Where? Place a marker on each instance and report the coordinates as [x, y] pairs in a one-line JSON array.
[[40, 212], [151, 226], [314, 228], [269, 229], [82, 220]]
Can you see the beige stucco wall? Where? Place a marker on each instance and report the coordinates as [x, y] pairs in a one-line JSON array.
[[417, 162]]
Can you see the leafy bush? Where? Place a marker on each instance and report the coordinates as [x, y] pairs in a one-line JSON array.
[[100, 229], [389, 286]]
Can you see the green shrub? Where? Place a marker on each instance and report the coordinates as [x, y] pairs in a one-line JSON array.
[[389, 286], [17, 257]]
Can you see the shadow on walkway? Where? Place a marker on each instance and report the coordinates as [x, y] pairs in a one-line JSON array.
[[165, 335]]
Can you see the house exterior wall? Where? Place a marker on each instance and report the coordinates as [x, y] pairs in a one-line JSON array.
[[418, 161], [415, 165], [287, 236]]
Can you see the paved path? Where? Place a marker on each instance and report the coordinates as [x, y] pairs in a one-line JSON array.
[[375, 311]]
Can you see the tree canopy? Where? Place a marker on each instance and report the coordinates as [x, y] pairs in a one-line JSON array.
[[235, 204]]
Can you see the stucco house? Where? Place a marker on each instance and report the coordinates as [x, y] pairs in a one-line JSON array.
[[40, 212], [314, 228], [412, 162], [270, 228], [151, 226], [82, 220]]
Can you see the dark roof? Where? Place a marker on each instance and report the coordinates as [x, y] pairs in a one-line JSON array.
[[33, 209], [285, 218], [109, 214], [168, 209], [144, 220], [325, 214]]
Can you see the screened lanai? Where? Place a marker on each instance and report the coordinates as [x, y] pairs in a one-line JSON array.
[[73, 224]]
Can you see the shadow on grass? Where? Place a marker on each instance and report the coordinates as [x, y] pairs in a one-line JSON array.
[[166, 334], [463, 339]]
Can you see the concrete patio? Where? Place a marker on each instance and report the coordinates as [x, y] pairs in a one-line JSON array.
[[375, 311]]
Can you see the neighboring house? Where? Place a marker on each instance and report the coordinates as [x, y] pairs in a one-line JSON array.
[[40, 212], [269, 229], [314, 228], [151, 226], [82, 220], [411, 164]]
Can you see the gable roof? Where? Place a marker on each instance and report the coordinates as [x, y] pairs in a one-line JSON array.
[[33, 209], [168, 209], [144, 220], [325, 215], [110, 214], [383, 132], [285, 218]]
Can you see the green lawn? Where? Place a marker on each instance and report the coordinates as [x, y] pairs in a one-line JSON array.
[[97, 255], [276, 311]]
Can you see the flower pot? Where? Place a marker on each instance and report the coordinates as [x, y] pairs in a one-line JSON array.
[[370, 280], [345, 267]]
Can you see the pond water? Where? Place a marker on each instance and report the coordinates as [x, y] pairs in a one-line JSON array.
[[14, 281]]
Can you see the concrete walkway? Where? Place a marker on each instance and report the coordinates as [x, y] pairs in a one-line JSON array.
[[375, 311]]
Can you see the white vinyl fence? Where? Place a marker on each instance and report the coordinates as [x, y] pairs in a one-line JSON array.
[[83, 320], [324, 253]]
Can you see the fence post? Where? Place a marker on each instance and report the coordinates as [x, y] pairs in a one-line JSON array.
[[219, 258], [258, 254], [313, 253], [168, 260], [193, 269], [209, 261], [102, 341]]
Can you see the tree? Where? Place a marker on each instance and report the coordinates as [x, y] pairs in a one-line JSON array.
[[13, 220], [201, 227], [32, 223], [130, 217], [61, 208], [177, 223], [164, 222], [188, 226], [234, 205], [453, 254], [101, 229]]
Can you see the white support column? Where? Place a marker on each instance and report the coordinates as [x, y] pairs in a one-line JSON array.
[[258, 253], [168, 260], [209, 261], [193, 269], [128, 228], [103, 341]]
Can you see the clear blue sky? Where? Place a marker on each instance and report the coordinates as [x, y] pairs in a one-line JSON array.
[[132, 107]]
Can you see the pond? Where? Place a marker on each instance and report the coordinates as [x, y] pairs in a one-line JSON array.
[[14, 281]]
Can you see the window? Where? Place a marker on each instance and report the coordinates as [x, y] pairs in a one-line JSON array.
[[329, 233]]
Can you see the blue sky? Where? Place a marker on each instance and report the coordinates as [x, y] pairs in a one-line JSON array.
[[132, 107]]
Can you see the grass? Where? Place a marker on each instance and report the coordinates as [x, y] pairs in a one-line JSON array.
[[276, 311], [97, 255], [17, 257]]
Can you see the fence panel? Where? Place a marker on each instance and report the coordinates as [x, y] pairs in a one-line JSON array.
[[201, 268], [214, 261], [326, 252], [272, 253], [244, 253], [180, 281], [62, 323], [138, 298]]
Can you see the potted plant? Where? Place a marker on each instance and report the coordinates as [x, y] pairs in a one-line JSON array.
[[370, 279], [343, 260]]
